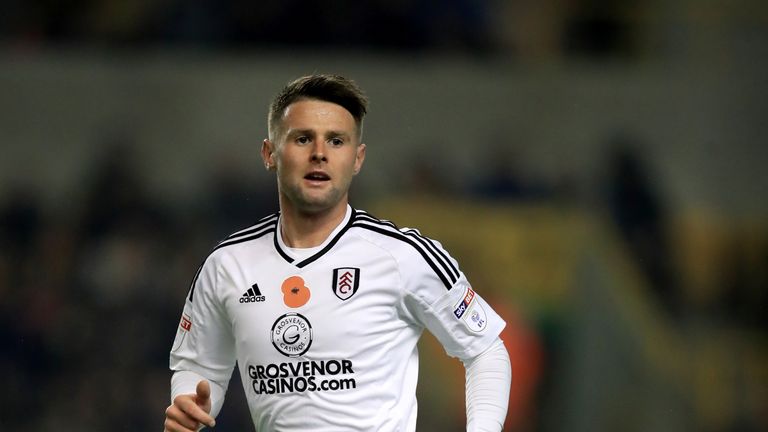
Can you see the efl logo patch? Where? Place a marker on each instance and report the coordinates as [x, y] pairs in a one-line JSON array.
[[475, 318], [471, 312], [345, 282]]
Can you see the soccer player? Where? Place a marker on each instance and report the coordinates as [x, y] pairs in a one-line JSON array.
[[321, 305]]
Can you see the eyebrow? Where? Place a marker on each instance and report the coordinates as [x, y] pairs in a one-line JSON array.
[[339, 134], [311, 132]]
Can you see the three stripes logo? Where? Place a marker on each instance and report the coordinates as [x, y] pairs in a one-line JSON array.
[[345, 282], [253, 295]]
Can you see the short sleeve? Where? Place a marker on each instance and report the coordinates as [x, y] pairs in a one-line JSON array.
[[463, 322], [204, 342]]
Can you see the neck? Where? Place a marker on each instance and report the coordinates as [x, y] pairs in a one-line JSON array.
[[305, 230]]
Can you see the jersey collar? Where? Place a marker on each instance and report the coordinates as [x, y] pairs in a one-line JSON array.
[[334, 237]]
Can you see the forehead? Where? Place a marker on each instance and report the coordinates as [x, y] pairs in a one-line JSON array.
[[314, 114]]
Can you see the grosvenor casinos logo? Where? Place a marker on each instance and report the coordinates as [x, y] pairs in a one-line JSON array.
[[292, 334]]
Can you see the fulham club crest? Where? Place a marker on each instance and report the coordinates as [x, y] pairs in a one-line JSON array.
[[345, 282]]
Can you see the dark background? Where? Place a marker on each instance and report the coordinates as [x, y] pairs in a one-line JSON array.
[[597, 168]]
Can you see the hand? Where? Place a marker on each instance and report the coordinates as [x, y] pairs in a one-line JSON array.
[[190, 411]]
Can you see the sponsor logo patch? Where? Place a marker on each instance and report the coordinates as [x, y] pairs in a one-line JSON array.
[[471, 311], [186, 323], [346, 280], [291, 334], [461, 308]]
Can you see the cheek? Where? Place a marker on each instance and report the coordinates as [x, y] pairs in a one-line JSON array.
[[283, 163]]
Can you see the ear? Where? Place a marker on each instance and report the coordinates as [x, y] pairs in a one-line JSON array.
[[268, 154], [359, 158]]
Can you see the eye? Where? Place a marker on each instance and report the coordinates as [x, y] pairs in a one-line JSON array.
[[302, 140], [337, 142]]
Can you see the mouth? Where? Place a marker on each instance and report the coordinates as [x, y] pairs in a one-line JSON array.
[[317, 176]]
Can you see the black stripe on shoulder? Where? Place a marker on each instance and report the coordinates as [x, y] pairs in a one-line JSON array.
[[253, 235], [265, 221], [384, 229], [426, 242], [194, 281], [231, 240]]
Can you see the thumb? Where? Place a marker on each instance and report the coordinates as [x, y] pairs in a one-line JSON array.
[[203, 396]]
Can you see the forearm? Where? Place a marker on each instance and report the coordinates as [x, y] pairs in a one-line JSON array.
[[488, 379], [184, 382]]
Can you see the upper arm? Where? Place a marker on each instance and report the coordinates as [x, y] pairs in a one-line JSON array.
[[437, 295], [204, 342], [463, 322]]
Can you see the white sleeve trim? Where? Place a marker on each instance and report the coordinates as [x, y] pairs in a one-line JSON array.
[[488, 379], [185, 382]]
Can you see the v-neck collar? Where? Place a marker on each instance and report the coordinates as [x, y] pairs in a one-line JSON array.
[[329, 242]]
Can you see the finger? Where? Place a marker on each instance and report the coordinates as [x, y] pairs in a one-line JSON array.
[[203, 398], [203, 392], [180, 418], [174, 426], [193, 410]]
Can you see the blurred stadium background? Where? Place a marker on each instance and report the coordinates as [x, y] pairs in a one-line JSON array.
[[597, 167]]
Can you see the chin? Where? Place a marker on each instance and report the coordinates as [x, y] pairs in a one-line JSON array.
[[308, 203]]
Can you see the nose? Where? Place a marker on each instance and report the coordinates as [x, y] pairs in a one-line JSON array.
[[318, 152]]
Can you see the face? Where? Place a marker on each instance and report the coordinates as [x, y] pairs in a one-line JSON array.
[[316, 154]]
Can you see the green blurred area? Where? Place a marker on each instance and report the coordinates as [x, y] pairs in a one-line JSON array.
[[593, 348]]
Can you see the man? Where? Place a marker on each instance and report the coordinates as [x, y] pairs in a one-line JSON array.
[[322, 305]]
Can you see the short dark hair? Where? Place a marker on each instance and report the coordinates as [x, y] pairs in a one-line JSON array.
[[329, 88]]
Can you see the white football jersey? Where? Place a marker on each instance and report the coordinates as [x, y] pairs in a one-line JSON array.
[[327, 341]]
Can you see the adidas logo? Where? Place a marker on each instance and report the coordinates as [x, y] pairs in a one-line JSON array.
[[253, 295]]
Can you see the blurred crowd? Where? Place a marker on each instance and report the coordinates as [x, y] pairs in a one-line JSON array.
[[477, 27], [90, 293]]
